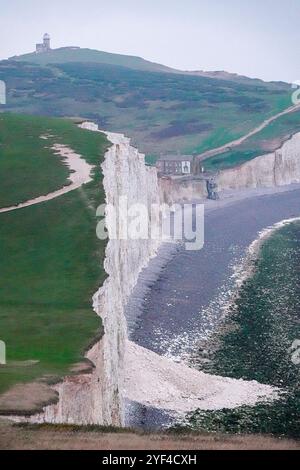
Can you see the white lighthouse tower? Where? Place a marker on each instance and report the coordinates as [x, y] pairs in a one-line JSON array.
[[46, 42], [45, 45]]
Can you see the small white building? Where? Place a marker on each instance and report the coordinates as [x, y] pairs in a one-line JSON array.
[[175, 165]]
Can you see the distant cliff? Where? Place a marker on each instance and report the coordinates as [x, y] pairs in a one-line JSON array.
[[279, 168]]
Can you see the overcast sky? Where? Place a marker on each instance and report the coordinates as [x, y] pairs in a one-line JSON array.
[[258, 38]]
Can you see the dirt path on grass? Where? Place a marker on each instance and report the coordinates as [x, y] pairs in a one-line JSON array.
[[80, 174], [235, 143]]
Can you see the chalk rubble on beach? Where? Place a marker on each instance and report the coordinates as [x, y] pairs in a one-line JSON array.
[[156, 381]]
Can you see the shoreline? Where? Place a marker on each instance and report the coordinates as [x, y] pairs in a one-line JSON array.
[[257, 337], [243, 272], [231, 201]]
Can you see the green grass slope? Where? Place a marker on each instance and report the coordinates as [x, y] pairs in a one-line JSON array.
[[73, 54], [51, 265], [64, 55], [269, 139], [28, 165], [161, 112]]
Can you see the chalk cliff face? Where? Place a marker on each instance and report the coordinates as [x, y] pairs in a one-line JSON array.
[[125, 174], [97, 397], [279, 168], [173, 191]]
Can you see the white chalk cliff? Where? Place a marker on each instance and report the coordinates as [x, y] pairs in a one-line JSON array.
[[97, 397], [278, 168], [125, 174]]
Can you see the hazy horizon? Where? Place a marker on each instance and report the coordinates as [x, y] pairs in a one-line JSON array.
[[256, 40]]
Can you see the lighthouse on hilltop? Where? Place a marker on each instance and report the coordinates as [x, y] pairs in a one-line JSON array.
[[45, 45]]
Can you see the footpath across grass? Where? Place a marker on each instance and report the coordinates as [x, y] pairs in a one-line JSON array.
[[270, 138], [28, 166], [51, 263]]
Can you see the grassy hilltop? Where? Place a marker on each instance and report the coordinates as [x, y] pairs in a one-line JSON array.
[[162, 109], [76, 54], [51, 260]]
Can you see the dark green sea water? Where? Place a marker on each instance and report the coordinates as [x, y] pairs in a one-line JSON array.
[[256, 339]]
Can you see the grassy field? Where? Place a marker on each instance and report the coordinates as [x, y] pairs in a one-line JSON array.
[[28, 166], [268, 140], [160, 111], [51, 265], [69, 54], [259, 332]]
